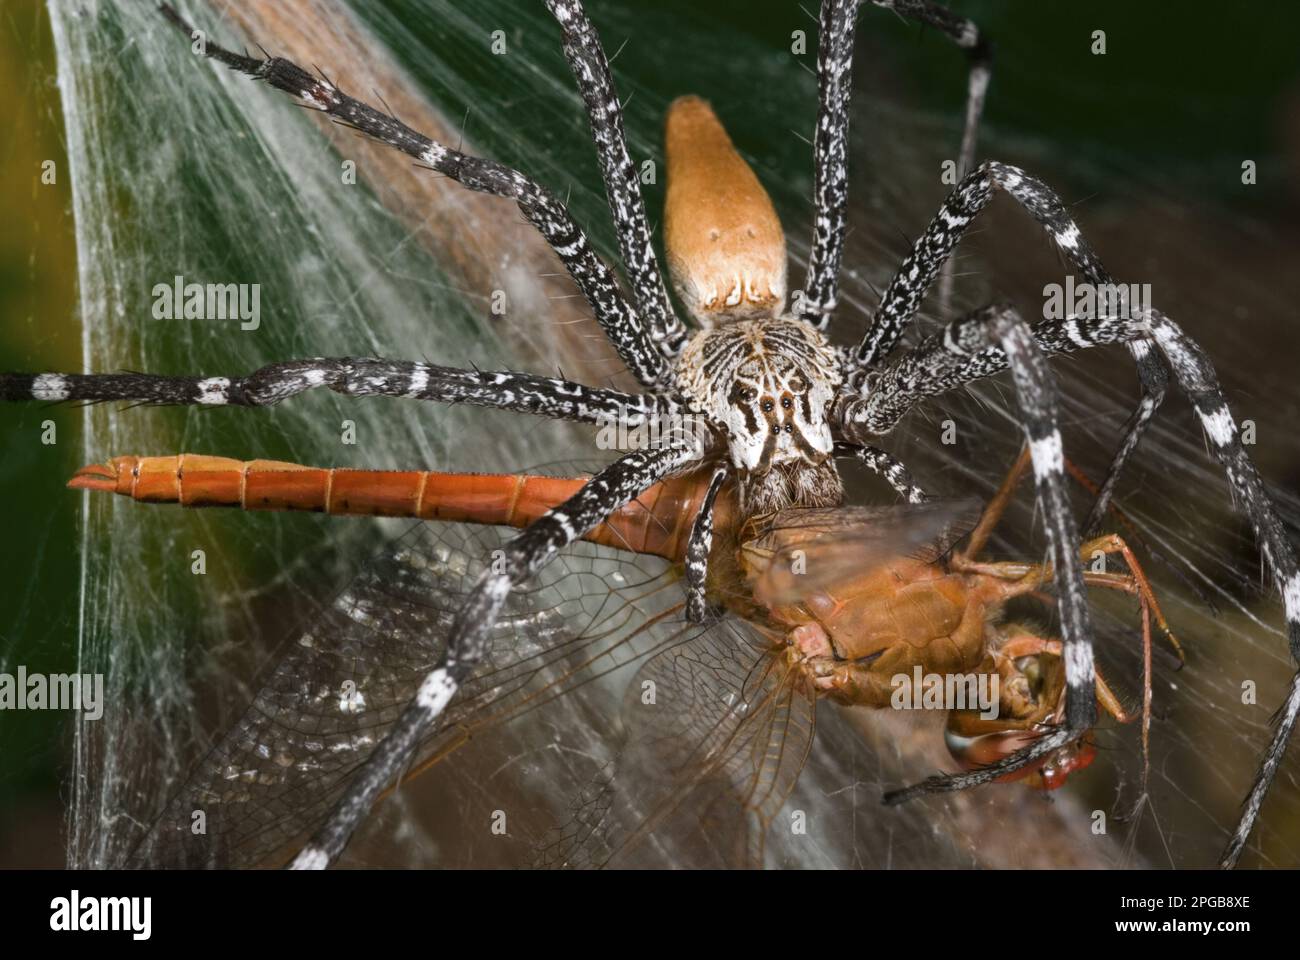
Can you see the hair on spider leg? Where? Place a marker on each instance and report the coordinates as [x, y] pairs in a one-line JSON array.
[[621, 46], [388, 109], [321, 73]]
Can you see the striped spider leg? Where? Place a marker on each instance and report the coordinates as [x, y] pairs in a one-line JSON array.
[[831, 142], [351, 376], [612, 488], [956, 356], [623, 326], [622, 183]]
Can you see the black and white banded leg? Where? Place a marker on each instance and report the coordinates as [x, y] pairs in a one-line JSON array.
[[467, 640], [1036, 393], [907, 289], [979, 51], [830, 160], [352, 376], [619, 320], [1195, 375], [697, 550], [945, 362], [1153, 380], [886, 466], [959, 354], [586, 58], [830, 144]]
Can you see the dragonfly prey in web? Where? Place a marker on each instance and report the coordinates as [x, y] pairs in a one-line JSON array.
[[751, 362], [849, 603]]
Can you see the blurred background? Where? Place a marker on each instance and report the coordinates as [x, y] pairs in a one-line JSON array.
[[165, 167]]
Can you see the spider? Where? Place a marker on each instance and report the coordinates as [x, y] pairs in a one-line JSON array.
[[754, 365]]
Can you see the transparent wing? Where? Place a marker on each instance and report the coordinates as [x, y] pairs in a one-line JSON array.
[[803, 550], [718, 730], [344, 679]]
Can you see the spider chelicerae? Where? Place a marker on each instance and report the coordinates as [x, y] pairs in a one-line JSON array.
[[776, 397]]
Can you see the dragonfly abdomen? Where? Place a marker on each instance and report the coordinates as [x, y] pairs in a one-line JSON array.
[[658, 523]]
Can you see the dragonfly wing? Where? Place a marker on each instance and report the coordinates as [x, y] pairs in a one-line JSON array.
[[718, 728], [819, 549], [272, 777]]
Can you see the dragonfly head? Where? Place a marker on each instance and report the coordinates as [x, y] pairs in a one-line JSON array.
[[974, 743]]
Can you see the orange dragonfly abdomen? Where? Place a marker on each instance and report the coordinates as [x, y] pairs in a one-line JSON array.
[[657, 523]]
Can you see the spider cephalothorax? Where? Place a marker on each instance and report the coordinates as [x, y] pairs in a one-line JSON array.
[[770, 385], [766, 381]]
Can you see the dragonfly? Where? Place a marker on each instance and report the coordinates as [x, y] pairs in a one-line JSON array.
[[835, 603]]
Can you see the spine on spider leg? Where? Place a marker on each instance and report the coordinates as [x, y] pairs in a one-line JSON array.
[[658, 523]]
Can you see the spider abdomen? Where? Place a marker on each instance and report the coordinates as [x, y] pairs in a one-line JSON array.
[[723, 239]]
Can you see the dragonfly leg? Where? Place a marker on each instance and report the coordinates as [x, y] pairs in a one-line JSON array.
[[997, 506], [1135, 582], [993, 511]]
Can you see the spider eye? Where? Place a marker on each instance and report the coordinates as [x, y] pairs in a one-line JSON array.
[[787, 403], [767, 406], [742, 394]]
